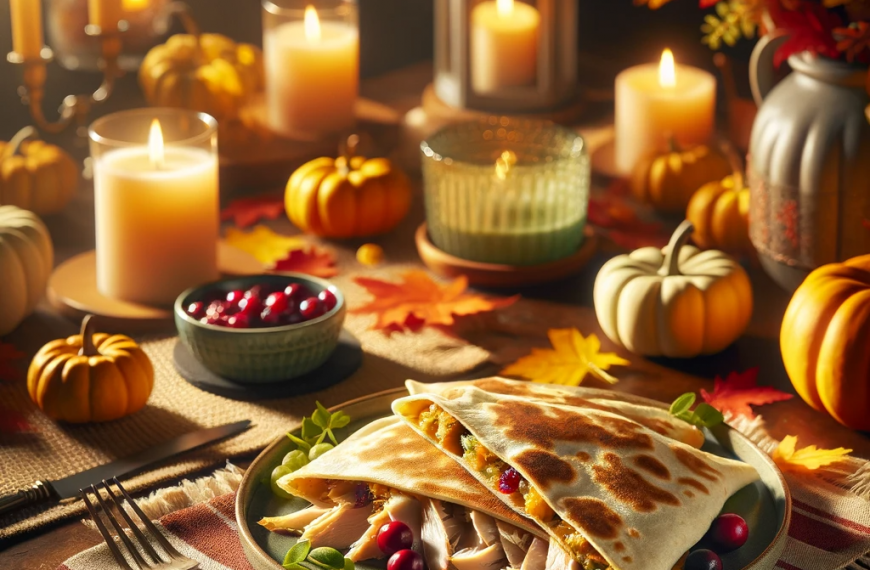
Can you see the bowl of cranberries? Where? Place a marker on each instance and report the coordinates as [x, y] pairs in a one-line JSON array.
[[261, 328]]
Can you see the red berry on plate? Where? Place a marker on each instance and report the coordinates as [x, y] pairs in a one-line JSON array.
[[196, 309], [310, 308], [394, 537], [703, 559], [728, 532], [277, 302], [327, 299], [294, 291], [250, 306], [509, 481], [233, 297], [405, 559]]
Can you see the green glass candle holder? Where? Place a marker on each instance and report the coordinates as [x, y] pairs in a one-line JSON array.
[[506, 191]]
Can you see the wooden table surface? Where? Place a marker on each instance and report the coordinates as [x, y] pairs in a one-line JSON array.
[[566, 303]]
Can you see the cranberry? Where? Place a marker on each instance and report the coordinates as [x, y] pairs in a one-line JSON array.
[[363, 495], [405, 559], [270, 317], [277, 302], [327, 299], [233, 297], [310, 308], [294, 291], [216, 320], [250, 306], [728, 532], [215, 309], [509, 481], [255, 291], [393, 538], [196, 309], [702, 559], [239, 321]]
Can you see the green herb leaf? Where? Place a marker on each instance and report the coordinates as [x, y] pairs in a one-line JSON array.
[[683, 404], [327, 558], [348, 564], [298, 553], [310, 429], [321, 416], [339, 420], [707, 416], [293, 566], [300, 443]]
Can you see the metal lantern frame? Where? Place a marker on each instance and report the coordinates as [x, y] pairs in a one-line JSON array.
[[556, 65]]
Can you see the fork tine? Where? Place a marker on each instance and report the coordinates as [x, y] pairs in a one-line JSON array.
[[107, 537], [107, 511], [143, 540], [146, 522]]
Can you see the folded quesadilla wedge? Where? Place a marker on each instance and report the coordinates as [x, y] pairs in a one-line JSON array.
[[385, 472], [603, 486], [641, 410]]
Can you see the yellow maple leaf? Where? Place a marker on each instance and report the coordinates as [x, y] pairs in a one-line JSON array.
[[568, 362], [264, 244], [810, 457]]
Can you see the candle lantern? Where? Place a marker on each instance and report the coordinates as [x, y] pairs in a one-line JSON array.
[[506, 56]]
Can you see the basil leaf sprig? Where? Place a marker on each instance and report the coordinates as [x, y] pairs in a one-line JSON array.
[[704, 415], [301, 557]]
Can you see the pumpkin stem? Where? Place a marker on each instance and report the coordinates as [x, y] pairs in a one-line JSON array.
[[87, 332], [14, 145], [182, 10], [673, 146], [671, 265], [350, 146]]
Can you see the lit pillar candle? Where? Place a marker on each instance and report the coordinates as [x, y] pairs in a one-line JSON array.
[[657, 102], [134, 5], [156, 220], [26, 18], [104, 14], [312, 75], [504, 45]]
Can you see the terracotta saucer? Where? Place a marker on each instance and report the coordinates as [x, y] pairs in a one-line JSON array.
[[499, 275]]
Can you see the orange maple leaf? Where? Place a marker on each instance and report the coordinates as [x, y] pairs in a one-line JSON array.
[[809, 457], [738, 391], [312, 261], [419, 301], [246, 212], [9, 356]]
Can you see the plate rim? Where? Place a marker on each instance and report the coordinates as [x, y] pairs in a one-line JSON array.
[[251, 546]]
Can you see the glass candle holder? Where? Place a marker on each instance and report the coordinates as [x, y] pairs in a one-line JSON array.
[[507, 191], [157, 203], [311, 55]]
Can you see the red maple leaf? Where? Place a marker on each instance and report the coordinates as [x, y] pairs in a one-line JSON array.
[[810, 28], [312, 261], [9, 357], [708, 3], [738, 391], [246, 212]]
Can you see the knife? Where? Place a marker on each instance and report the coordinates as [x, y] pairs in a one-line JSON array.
[[43, 491]]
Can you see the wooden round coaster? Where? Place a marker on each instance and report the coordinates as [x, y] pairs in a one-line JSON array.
[[346, 359], [72, 290], [497, 275]]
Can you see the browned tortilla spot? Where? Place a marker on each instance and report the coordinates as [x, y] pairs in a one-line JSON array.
[[632, 532], [658, 426], [618, 546], [693, 483], [652, 465], [583, 456], [525, 421], [695, 464], [689, 494], [593, 516], [629, 486], [544, 467], [627, 559]]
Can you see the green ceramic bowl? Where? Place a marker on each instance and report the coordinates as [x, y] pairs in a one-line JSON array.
[[260, 355]]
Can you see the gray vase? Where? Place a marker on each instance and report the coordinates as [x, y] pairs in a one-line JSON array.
[[809, 163]]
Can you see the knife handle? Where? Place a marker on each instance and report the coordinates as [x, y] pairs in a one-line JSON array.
[[37, 493]]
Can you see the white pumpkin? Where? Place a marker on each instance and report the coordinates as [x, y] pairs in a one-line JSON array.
[[678, 301], [26, 259]]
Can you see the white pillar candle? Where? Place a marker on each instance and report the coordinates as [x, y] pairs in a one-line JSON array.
[[156, 221], [504, 45], [657, 102], [26, 16], [312, 75], [104, 14]]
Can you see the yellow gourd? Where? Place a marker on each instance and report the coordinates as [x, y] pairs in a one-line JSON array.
[[35, 175], [667, 180], [720, 213], [678, 301], [90, 377], [349, 196], [26, 259]]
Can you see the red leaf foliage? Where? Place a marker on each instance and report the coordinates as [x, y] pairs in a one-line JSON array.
[[10, 371], [246, 212], [738, 391], [312, 261], [619, 221], [810, 27]]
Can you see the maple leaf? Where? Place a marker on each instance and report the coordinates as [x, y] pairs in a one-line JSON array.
[[568, 362], [810, 457], [264, 244], [810, 28], [9, 356], [854, 41], [419, 301], [312, 261], [738, 391], [246, 212]]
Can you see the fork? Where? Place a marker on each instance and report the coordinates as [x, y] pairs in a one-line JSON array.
[[172, 559]]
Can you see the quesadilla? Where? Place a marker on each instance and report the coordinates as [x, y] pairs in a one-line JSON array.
[[645, 412], [386, 472], [611, 492]]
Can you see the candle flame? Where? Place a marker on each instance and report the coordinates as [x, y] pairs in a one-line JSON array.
[[504, 163], [504, 7], [155, 145], [668, 70], [312, 24]]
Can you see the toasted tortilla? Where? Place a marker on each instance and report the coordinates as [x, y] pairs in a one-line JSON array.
[[639, 498], [643, 411]]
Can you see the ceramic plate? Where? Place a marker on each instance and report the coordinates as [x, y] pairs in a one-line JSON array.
[[765, 504]]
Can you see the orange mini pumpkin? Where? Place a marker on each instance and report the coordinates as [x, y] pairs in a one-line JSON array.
[[720, 213], [824, 341]]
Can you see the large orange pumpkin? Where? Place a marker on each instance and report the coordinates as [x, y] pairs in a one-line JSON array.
[[825, 341]]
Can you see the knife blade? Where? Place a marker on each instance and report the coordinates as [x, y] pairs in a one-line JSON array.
[[68, 487]]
